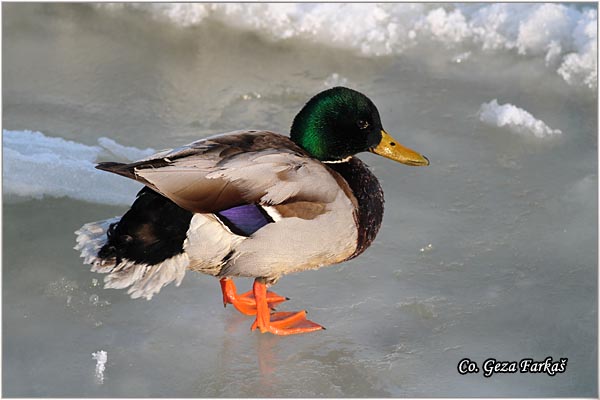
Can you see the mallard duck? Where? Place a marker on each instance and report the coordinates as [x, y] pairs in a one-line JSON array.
[[251, 204]]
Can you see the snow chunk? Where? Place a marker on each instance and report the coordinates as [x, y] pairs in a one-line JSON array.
[[335, 79], [515, 119], [461, 57], [101, 357]]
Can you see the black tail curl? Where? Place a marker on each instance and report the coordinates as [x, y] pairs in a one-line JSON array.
[[153, 230]]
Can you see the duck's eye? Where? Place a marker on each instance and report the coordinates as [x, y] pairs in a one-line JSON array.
[[362, 124]]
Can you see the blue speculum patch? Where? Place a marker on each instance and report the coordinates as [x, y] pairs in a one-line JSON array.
[[244, 220]]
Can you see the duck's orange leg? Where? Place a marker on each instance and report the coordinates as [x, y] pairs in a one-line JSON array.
[[245, 303], [279, 323]]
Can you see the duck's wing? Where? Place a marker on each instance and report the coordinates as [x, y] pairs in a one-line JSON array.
[[225, 171]]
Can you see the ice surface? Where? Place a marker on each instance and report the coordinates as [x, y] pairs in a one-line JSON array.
[[36, 165], [101, 357], [491, 251], [564, 36], [514, 119]]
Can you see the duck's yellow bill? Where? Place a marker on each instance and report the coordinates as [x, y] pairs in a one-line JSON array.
[[390, 148]]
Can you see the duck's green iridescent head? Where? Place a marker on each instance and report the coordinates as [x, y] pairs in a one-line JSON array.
[[340, 122]]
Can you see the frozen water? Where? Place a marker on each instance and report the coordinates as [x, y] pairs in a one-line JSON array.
[[489, 252], [515, 119]]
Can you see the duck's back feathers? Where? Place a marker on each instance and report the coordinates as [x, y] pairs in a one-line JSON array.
[[226, 171]]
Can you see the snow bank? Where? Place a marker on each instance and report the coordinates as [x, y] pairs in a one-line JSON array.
[[35, 165], [566, 37]]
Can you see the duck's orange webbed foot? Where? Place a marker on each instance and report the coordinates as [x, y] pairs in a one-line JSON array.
[[245, 302], [279, 323]]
